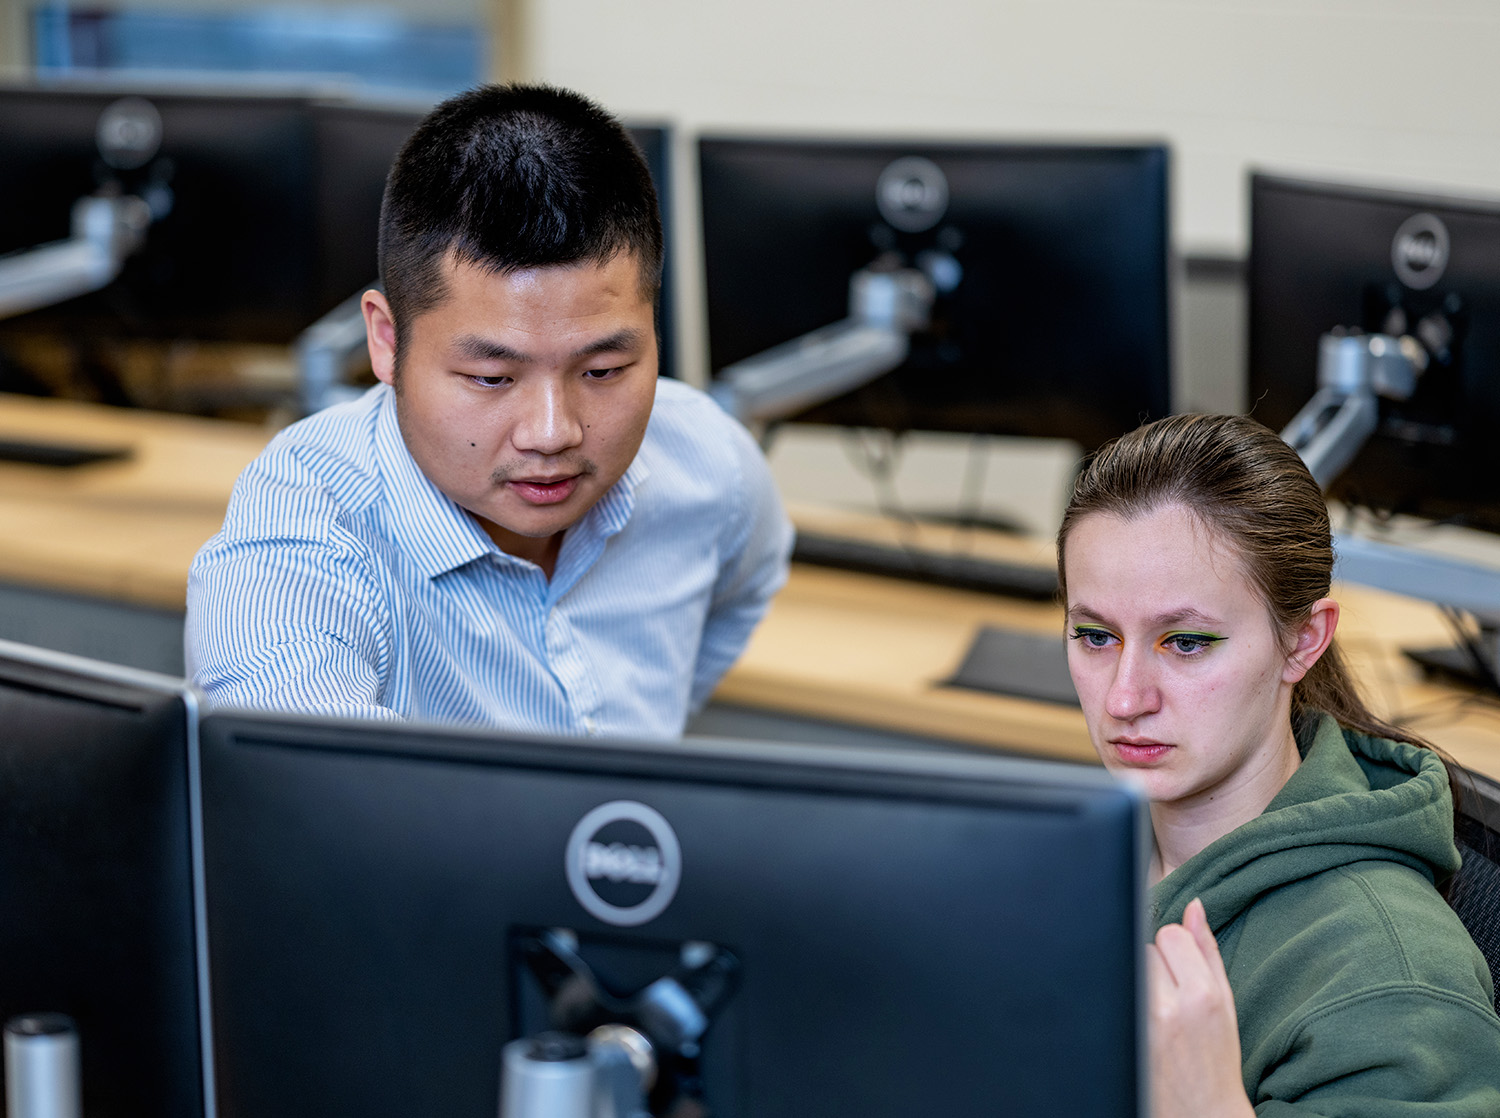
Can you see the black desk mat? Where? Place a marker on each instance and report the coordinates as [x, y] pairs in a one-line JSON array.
[[1010, 662]]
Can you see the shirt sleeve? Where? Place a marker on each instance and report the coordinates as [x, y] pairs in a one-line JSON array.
[[754, 559], [282, 614], [1399, 1051]]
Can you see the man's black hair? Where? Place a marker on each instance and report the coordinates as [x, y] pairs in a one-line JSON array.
[[507, 177]]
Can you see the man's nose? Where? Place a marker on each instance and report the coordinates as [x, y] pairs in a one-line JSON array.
[[548, 423]]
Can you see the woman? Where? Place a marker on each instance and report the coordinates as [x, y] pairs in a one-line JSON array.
[[1304, 962]]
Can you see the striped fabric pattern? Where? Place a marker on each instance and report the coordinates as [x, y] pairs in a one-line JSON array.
[[345, 583]]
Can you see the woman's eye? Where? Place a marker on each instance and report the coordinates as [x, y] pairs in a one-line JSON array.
[[1190, 643], [1094, 638]]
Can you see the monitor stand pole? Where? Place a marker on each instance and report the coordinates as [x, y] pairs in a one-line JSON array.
[[558, 1075]]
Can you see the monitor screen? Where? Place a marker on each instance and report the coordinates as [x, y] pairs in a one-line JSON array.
[[1324, 256], [866, 933], [96, 876], [1056, 324]]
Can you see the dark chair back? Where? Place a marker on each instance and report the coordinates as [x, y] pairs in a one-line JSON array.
[[1475, 891]]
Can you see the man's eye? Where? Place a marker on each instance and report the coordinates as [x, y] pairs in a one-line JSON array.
[[491, 382], [602, 374]]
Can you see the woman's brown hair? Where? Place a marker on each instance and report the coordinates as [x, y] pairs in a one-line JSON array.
[[1241, 480]]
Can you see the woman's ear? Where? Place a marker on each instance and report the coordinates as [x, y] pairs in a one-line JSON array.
[[1313, 638]]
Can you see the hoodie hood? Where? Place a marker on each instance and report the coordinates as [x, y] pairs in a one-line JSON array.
[[1354, 798]]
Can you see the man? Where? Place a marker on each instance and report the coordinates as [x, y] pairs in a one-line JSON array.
[[519, 526]]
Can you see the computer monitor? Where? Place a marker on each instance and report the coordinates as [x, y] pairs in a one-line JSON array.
[[1057, 320], [236, 253], [356, 144], [878, 933], [1326, 255], [97, 917], [655, 142], [271, 204]]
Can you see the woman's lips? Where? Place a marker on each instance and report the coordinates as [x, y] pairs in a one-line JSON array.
[[1139, 751], [543, 491]]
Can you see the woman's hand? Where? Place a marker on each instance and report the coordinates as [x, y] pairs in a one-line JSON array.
[[1195, 1038]]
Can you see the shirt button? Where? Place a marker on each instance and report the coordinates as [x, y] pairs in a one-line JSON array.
[[590, 725]]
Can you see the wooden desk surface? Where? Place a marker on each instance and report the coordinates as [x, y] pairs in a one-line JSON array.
[[838, 646], [125, 530]]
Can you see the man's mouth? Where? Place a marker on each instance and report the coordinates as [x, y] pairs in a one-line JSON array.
[[544, 490]]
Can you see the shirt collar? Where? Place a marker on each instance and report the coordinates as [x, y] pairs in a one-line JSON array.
[[613, 509], [436, 534], [440, 536], [584, 542]]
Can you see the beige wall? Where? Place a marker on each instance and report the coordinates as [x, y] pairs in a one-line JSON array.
[[1388, 88], [13, 30], [1386, 91]]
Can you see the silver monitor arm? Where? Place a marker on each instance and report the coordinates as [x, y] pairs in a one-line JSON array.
[[107, 228], [1353, 370], [885, 307], [324, 351]]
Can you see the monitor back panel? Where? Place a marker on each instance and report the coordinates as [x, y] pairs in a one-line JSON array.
[[236, 254], [655, 143], [96, 901], [1058, 325], [1324, 256], [957, 941], [356, 146]]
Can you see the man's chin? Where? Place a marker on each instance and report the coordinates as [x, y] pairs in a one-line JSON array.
[[528, 523]]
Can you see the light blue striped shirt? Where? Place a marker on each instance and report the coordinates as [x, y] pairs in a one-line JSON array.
[[344, 582]]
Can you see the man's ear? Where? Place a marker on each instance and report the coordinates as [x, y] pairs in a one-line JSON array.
[[380, 335], [1313, 638]]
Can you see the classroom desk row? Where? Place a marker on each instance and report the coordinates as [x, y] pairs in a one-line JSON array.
[[836, 647]]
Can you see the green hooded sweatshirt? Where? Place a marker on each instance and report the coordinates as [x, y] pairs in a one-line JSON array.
[[1358, 991]]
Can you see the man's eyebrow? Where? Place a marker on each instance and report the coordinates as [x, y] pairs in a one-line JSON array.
[[618, 342], [471, 347]]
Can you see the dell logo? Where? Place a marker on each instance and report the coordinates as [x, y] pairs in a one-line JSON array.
[[912, 194], [128, 133], [618, 862], [1419, 251], [624, 863]]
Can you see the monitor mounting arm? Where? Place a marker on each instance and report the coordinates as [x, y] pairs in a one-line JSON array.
[[107, 228], [607, 1056], [886, 306], [1353, 370], [325, 350]]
